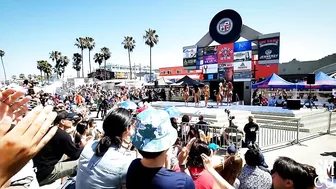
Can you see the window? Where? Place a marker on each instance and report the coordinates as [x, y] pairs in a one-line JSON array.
[[169, 72], [189, 71], [178, 71], [163, 72]]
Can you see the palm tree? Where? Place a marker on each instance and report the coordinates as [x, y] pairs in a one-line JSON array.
[[13, 77], [2, 54], [81, 44], [40, 67], [47, 69], [90, 44], [98, 58], [22, 76], [76, 64], [29, 76], [64, 61], [151, 39], [129, 44], [106, 53], [55, 57]]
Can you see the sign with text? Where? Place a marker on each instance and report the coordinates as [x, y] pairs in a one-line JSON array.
[[211, 59], [225, 53], [210, 50], [210, 68], [243, 56], [268, 50], [189, 62], [242, 46], [242, 71], [189, 56]]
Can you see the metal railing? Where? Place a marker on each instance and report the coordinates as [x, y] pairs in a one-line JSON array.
[[272, 134]]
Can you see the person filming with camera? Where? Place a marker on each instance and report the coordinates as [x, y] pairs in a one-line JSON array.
[[251, 129]]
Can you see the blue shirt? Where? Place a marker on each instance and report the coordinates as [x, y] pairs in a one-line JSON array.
[[139, 176], [105, 172]]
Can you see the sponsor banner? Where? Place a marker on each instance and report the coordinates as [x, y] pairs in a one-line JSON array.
[[242, 71], [243, 56], [242, 46], [210, 68], [190, 56], [268, 50], [211, 59], [210, 50], [189, 52], [228, 74], [200, 52], [189, 62], [209, 77], [225, 53]]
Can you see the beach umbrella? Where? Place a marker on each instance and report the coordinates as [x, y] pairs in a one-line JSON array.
[[172, 111], [130, 105]]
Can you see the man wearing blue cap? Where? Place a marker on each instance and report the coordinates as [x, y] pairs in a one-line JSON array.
[[154, 135]]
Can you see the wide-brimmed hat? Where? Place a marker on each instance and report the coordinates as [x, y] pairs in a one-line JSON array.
[[154, 132]]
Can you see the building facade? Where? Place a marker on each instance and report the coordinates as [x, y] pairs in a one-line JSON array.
[[177, 72], [122, 71]]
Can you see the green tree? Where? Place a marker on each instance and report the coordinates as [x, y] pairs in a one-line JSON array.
[[81, 44], [22, 76], [151, 39], [2, 54], [29, 76], [60, 66], [47, 69], [76, 64], [40, 67], [55, 57], [13, 77], [106, 53], [129, 44], [90, 45]]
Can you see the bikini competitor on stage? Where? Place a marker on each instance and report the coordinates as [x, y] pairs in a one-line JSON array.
[[186, 94]]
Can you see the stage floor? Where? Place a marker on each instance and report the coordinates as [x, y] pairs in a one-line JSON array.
[[252, 109]]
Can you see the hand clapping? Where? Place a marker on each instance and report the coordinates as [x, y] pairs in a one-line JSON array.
[[26, 139]]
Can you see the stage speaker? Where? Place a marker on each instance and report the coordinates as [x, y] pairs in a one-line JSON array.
[[293, 104], [156, 84], [311, 79]]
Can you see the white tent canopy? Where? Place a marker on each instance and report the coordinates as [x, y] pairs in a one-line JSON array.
[[161, 82]]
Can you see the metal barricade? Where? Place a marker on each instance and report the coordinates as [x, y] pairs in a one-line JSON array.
[[220, 135]]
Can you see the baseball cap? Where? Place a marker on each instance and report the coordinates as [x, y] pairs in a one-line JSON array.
[[213, 146], [231, 150], [154, 132], [64, 115]]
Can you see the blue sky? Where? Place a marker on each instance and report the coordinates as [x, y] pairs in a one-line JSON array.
[[30, 30]]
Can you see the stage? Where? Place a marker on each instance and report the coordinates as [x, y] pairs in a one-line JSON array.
[[252, 109]]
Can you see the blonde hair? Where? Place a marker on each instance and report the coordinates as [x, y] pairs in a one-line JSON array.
[[232, 168]]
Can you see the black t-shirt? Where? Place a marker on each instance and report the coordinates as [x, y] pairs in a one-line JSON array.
[[250, 130], [139, 176], [52, 153]]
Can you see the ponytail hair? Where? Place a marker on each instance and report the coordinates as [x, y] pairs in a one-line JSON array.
[[114, 125]]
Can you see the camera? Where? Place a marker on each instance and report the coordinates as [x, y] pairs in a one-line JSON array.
[[229, 115]]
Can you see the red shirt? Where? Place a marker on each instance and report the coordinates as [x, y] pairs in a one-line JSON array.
[[202, 178]]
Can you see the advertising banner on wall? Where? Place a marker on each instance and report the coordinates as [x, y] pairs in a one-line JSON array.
[[211, 59], [225, 53], [268, 50], [225, 71], [243, 56], [210, 68], [209, 77], [210, 50], [189, 56], [242, 46], [242, 71]]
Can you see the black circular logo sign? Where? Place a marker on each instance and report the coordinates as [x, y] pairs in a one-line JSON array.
[[225, 27]]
